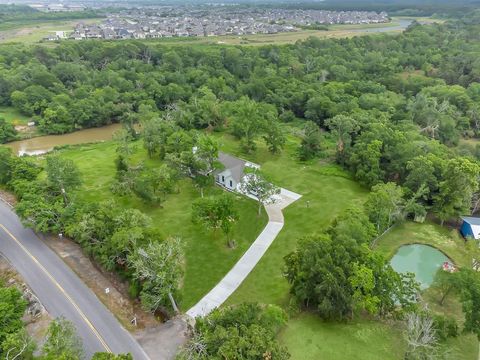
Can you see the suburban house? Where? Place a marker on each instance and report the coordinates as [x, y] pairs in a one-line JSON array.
[[233, 171], [470, 227]]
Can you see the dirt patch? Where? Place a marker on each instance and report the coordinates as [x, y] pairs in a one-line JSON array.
[[163, 342], [8, 198]]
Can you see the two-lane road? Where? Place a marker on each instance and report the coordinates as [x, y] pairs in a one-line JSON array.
[[61, 291]]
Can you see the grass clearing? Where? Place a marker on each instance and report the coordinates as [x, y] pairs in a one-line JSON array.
[[309, 338], [13, 116], [208, 258], [326, 191], [33, 32]]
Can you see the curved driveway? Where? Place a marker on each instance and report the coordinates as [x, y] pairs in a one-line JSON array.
[[60, 291], [221, 292]]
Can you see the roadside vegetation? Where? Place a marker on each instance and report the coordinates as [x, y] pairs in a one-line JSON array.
[[60, 340], [365, 129]]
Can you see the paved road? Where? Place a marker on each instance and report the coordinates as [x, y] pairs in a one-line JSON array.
[[221, 292], [60, 291]]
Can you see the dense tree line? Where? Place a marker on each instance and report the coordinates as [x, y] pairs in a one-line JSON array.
[[396, 107], [393, 7], [393, 107], [77, 85]]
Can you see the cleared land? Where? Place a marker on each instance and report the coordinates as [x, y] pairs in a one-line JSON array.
[[308, 338], [33, 32], [36, 31], [13, 116], [208, 258]]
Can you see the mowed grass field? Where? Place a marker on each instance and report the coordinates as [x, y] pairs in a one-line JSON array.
[[327, 191], [309, 338], [208, 258], [35, 31]]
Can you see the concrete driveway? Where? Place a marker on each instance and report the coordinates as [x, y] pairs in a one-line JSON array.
[[220, 293]]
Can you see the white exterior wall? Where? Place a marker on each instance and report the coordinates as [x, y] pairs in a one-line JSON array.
[[225, 179], [476, 231]]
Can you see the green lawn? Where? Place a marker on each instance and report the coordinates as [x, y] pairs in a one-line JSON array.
[[327, 191], [308, 338], [325, 188], [13, 116], [208, 258]]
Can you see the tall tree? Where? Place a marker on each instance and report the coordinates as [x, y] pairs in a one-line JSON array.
[[255, 183], [159, 267], [460, 182], [385, 205], [7, 131], [274, 137], [216, 213], [249, 120], [62, 341], [342, 127], [311, 141], [63, 175]]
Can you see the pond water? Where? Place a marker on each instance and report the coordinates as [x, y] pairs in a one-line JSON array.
[[43, 144], [422, 260]]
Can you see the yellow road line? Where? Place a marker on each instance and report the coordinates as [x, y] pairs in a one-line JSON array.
[[84, 317]]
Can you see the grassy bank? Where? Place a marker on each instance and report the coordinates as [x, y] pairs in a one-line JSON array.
[[451, 244], [446, 240], [308, 338], [13, 116]]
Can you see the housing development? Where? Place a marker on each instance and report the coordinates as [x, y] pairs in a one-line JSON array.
[[215, 20]]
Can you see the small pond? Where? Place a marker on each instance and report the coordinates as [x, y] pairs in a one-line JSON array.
[[422, 260]]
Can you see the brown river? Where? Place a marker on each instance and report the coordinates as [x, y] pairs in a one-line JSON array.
[[43, 144]]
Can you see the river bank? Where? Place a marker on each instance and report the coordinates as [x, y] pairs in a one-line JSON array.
[[43, 144]]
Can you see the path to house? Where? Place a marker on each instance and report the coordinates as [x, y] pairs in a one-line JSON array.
[[220, 293]]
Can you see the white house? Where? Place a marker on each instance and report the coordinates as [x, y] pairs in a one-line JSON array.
[[233, 172]]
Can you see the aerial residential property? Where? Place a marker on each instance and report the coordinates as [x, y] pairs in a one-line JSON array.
[[268, 180]]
